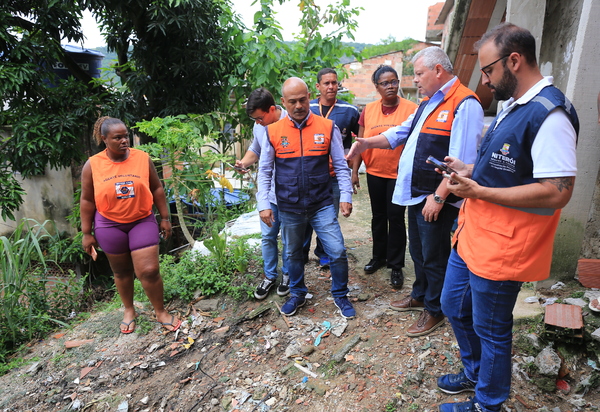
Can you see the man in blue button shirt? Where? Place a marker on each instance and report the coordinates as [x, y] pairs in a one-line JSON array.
[[449, 120]]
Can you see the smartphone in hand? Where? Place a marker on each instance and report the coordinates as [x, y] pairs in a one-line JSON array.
[[440, 165], [443, 167]]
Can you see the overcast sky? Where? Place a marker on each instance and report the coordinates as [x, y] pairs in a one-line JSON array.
[[379, 19]]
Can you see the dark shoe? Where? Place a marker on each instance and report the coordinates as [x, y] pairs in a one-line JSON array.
[[284, 286], [374, 265], [408, 303], [290, 307], [345, 307], [397, 278], [263, 289], [426, 324], [454, 383], [468, 406], [324, 262]]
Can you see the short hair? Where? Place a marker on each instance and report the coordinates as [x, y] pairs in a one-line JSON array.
[[261, 99], [381, 69], [433, 56], [323, 72], [510, 38], [103, 125]]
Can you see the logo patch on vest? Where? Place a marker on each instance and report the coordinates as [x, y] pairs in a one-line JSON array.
[[443, 116], [319, 138], [284, 141], [501, 161]]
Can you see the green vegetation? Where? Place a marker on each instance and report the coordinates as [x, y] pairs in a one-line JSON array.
[[391, 406], [143, 325], [30, 307], [172, 59], [329, 369], [392, 45], [183, 278], [387, 46]]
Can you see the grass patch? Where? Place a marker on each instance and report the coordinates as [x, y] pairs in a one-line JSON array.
[[144, 325], [32, 304], [192, 274]]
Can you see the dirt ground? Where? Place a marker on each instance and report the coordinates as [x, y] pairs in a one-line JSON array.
[[247, 357]]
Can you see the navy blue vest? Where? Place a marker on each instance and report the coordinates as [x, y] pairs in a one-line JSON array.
[[504, 157], [434, 141]]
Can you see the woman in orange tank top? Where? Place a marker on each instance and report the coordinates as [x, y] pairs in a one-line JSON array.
[[387, 224], [118, 188]]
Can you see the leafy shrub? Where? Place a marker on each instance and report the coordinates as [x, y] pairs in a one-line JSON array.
[[29, 307], [208, 275]]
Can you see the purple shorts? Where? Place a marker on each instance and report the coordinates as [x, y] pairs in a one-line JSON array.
[[117, 238]]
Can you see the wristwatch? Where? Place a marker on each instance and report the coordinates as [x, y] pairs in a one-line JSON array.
[[438, 199]]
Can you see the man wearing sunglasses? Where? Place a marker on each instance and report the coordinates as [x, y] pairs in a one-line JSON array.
[[449, 121], [523, 175]]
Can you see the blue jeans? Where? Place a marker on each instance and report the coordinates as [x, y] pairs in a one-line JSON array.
[[429, 246], [324, 222], [270, 252], [335, 187], [480, 312]]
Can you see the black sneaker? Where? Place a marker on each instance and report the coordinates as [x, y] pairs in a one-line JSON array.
[[263, 289], [284, 286]]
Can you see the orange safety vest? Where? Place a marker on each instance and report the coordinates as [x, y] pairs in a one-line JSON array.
[[122, 189], [384, 162], [521, 241], [434, 139], [302, 180]]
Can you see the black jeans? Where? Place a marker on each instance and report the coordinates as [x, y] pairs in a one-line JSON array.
[[387, 224]]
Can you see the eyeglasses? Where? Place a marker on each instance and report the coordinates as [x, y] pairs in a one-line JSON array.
[[485, 70], [257, 119], [393, 83]]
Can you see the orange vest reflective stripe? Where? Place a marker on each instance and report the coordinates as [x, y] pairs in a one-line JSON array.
[[384, 162], [521, 242], [122, 190]]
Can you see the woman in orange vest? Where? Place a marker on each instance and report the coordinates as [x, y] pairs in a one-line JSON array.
[[118, 188], [387, 224]]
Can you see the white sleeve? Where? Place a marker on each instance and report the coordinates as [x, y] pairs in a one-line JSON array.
[[554, 148]]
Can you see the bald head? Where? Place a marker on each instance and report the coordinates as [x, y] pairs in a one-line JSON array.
[[296, 98]]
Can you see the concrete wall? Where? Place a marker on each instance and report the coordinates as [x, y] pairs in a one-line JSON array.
[[566, 33], [528, 14], [48, 197], [582, 57]]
